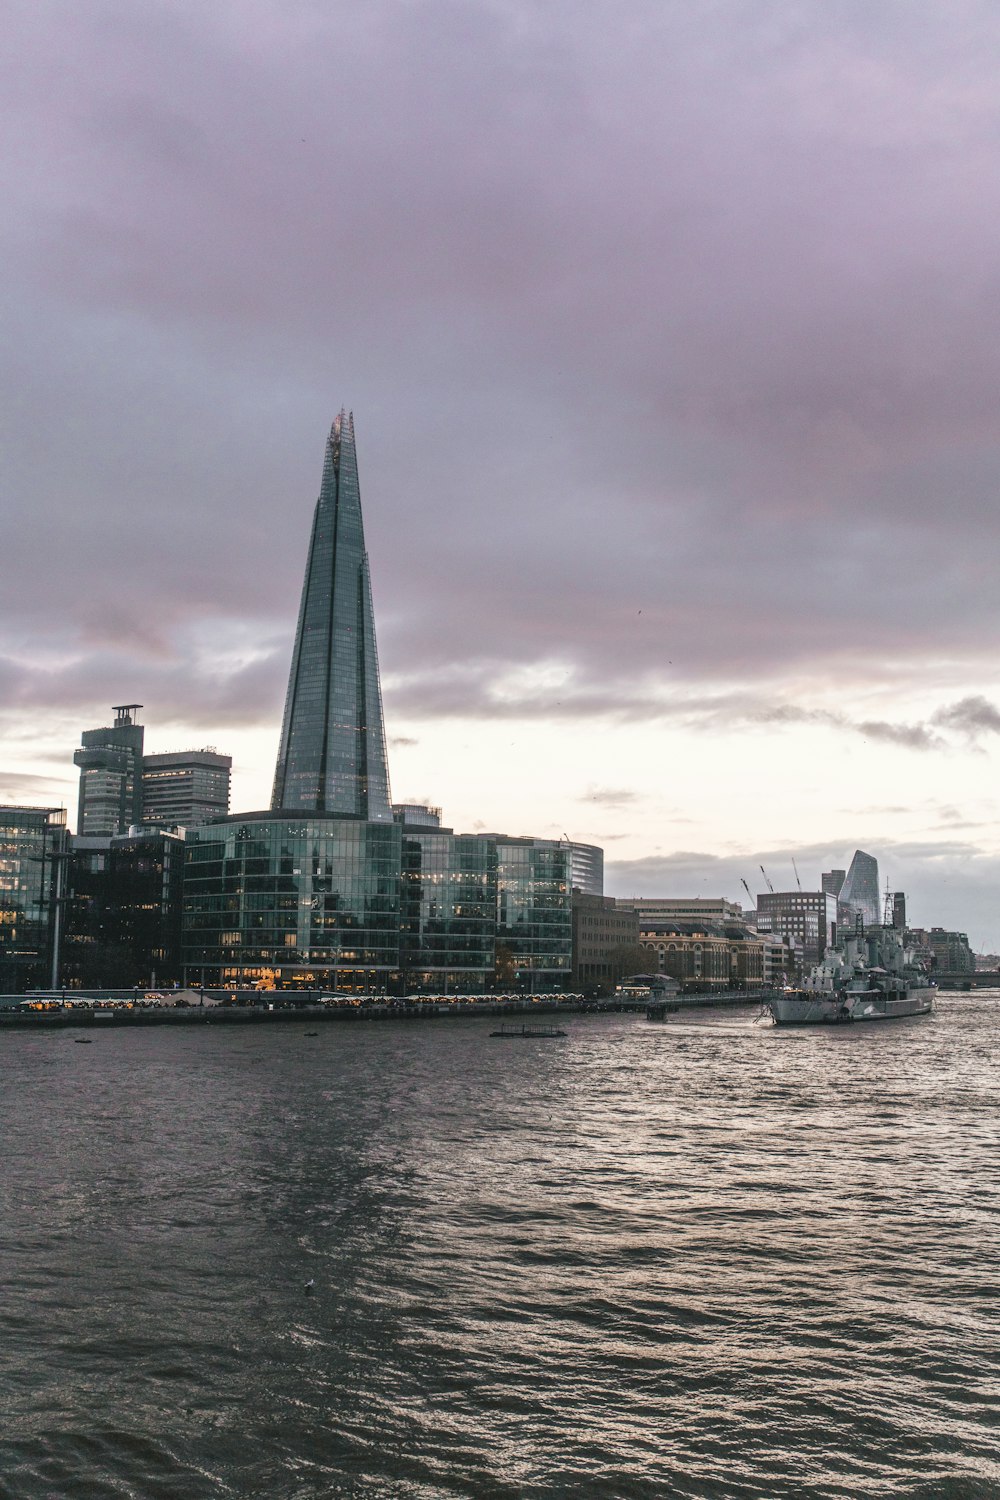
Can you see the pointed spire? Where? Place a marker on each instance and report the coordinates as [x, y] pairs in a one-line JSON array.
[[332, 756]]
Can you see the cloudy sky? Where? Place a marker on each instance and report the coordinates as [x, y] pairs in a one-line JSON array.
[[672, 335]]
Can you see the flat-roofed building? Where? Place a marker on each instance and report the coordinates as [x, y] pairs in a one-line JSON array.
[[122, 924], [684, 908], [183, 788], [605, 942], [32, 841], [808, 919]]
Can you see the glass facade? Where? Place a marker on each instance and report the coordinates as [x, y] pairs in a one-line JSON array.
[[122, 911], [332, 755], [587, 869], [340, 904], [448, 912], [293, 900], [534, 911], [859, 894], [29, 838]]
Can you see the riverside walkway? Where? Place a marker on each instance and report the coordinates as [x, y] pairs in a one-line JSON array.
[[224, 1008]]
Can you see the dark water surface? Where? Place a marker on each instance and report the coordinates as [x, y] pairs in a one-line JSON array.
[[680, 1260]]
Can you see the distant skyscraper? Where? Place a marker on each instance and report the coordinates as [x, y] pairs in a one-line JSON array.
[[832, 881], [110, 762], [185, 787], [332, 754], [860, 890]]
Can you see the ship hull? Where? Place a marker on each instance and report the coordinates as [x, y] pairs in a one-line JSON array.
[[815, 1009]]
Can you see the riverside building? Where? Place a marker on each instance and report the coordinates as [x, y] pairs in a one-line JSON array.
[[333, 888], [32, 842], [183, 788], [110, 762], [605, 942], [807, 920]]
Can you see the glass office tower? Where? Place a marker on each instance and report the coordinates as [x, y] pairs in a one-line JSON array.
[[293, 901], [859, 894], [448, 911], [326, 890], [534, 911], [332, 756]]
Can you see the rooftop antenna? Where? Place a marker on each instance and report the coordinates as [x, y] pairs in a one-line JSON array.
[[766, 881]]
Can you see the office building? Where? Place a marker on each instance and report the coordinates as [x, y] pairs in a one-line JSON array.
[[122, 910], [832, 881], [534, 932], [805, 919], [297, 900], [110, 762], [32, 841], [448, 911], [416, 815], [950, 952], [185, 787], [334, 888], [332, 756], [605, 943], [683, 908], [309, 893], [859, 895], [587, 868]]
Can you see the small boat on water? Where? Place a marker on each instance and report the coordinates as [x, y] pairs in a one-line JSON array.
[[871, 976], [528, 1031]]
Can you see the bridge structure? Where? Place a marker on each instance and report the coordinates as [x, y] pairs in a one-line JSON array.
[[958, 979]]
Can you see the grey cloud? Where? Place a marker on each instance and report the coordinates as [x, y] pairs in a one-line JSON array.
[[608, 796], [912, 736], [694, 321], [971, 716], [671, 346], [170, 689], [16, 786], [472, 691]]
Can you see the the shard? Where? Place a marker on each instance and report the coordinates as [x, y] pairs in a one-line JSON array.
[[332, 756]]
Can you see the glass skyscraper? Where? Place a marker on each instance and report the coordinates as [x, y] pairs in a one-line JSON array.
[[326, 889], [332, 755], [859, 893]]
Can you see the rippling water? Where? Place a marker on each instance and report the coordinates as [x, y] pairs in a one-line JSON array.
[[698, 1259]]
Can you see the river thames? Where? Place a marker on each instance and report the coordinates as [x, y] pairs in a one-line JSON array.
[[705, 1258]]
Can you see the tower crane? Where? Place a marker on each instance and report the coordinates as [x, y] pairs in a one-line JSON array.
[[766, 881]]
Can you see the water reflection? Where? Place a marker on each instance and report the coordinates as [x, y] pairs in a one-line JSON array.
[[694, 1260]]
